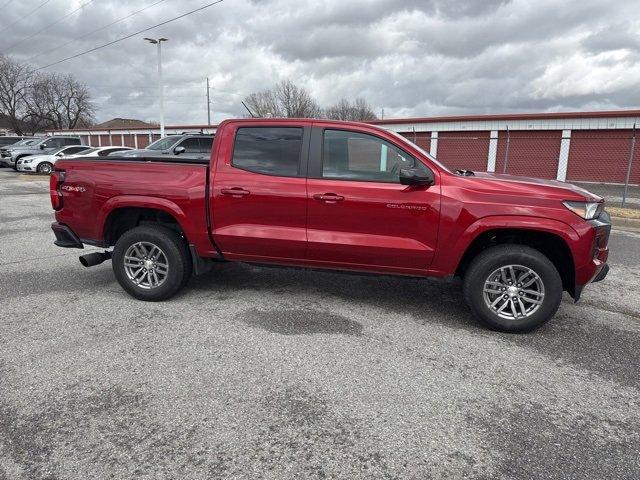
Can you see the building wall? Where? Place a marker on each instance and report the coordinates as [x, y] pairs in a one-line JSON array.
[[531, 153], [602, 155], [464, 150]]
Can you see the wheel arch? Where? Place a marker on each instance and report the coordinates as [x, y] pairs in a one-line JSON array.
[[122, 214], [550, 237]]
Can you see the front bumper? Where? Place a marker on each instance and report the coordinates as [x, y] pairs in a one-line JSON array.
[[603, 273], [65, 237], [597, 268]]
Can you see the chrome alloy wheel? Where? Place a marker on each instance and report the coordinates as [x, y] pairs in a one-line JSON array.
[[513, 292], [146, 265]]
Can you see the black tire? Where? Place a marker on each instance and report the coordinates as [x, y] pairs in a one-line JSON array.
[[15, 164], [45, 167], [174, 248], [493, 258]]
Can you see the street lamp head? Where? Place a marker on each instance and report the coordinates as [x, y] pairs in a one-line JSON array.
[[154, 41]]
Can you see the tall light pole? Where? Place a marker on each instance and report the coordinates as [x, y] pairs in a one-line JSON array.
[[158, 42], [208, 104]]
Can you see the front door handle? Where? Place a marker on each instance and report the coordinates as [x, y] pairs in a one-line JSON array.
[[328, 197], [235, 191]]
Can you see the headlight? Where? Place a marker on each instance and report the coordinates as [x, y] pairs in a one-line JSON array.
[[27, 161], [586, 210]]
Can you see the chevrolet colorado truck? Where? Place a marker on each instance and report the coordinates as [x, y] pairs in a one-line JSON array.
[[334, 195]]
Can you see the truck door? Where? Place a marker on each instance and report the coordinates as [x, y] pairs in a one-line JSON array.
[[359, 215], [259, 193]]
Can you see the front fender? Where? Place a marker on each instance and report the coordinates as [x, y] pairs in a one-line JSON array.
[[452, 248]]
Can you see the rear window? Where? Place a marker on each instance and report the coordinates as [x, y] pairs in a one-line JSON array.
[[268, 150]]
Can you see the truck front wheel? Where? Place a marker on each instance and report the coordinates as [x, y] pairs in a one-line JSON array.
[[512, 288], [151, 262]]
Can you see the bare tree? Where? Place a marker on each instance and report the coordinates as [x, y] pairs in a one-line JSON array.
[[358, 111], [14, 86], [284, 100], [62, 101], [263, 104], [34, 101]]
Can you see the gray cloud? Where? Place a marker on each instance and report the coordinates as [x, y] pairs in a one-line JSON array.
[[412, 57]]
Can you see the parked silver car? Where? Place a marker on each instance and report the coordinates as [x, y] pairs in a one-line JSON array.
[[11, 154], [7, 140]]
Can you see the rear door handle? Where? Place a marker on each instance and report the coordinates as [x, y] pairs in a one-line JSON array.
[[235, 191], [328, 197]]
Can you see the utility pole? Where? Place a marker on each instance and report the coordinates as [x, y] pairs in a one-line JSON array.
[[626, 180], [208, 104], [158, 42]]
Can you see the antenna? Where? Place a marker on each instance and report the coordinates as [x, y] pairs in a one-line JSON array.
[[250, 112]]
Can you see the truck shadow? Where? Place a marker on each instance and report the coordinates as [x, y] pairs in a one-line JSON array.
[[426, 300]]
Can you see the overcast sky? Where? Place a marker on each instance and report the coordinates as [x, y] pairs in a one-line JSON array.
[[412, 57]]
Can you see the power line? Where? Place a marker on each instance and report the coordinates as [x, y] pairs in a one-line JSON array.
[[131, 35], [50, 25], [25, 16], [155, 87], [95, 31], [134, 97]]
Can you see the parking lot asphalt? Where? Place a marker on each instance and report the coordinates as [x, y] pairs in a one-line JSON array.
[[257, 372]]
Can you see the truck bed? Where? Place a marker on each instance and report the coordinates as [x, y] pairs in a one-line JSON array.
[[177, 187]]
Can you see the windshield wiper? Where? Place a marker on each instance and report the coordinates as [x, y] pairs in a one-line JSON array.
[[465, 173]]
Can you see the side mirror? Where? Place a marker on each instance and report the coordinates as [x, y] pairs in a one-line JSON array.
[[42, 146], [178, 150], [59, 154], [416, 177]]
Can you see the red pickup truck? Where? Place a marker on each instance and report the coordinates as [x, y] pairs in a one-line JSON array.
[[336, 195]]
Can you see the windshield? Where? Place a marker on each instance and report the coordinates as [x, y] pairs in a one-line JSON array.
[[25, 142], [420, 149], [164, 143]]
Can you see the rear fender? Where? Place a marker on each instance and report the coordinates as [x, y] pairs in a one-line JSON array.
[[140, 201]]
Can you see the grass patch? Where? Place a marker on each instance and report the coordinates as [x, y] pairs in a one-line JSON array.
[[623, 212]]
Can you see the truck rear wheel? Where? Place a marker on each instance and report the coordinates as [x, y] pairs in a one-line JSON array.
[[512, 288], [151, 262]]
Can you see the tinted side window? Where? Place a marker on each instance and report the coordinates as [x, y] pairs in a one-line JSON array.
[[54, 143], [270, 150], [72, 141], [206, 143], [357, 156], [191, 145], [74, 150]]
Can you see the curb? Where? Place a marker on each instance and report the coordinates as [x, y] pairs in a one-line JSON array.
[[626, 224]]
